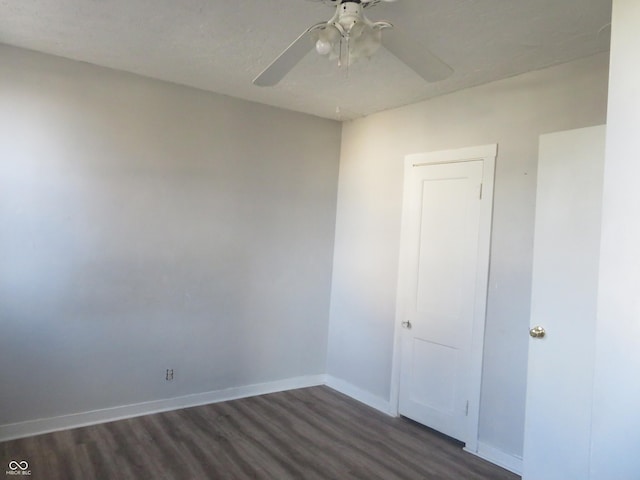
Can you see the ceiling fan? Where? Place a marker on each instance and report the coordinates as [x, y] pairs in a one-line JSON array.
[[348, 36]]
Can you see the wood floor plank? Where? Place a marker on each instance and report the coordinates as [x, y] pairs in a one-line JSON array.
[[310, 434], [353, 447]]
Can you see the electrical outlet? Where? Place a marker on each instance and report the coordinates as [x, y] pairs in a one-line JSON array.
[[169, 376]]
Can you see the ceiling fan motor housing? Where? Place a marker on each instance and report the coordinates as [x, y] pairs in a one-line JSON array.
[[350, 14], [364, 3]]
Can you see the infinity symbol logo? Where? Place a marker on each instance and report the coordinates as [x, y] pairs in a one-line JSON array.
[[23, 465]]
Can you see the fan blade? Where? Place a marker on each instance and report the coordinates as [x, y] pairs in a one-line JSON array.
[[287, 59], [420, 60]]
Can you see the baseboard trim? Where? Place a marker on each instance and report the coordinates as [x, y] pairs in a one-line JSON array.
[[498, 457], [360, 395], [46, 425]]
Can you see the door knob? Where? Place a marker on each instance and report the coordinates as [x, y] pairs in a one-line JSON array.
[[537, 332], [407, 324]]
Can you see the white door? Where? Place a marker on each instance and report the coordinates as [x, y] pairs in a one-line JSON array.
[[442, 219], [563, 303]]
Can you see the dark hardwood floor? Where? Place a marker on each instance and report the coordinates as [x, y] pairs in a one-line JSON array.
[[312, 433]]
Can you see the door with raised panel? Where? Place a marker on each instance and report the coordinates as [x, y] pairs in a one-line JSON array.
[[441, 230]]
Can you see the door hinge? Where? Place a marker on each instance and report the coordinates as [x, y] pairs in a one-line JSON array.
[[481, 185], [466, 409]]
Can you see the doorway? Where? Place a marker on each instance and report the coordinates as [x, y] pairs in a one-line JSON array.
[[442, 288]]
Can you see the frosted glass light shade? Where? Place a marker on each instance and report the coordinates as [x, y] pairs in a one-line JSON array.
[[328, 42], [364, 41]]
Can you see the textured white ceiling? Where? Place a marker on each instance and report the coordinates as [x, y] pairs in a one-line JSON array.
[[221, 45]]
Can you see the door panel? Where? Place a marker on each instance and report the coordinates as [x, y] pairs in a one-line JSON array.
[[443, 228], [563, 302], [440, 277], [433, 388]]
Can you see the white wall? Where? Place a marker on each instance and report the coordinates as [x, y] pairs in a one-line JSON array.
[[147, 226], [616, 421], [513, 113]]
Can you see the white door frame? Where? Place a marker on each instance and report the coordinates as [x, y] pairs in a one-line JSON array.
[[486, 153]]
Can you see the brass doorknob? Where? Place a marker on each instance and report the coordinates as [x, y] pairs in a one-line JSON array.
[[537, 332]]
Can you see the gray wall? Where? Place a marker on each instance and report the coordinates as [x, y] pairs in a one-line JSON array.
[[147, 226], [512, 113]]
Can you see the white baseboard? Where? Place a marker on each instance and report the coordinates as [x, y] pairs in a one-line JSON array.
[[498, 457], [357, 393], [46, 425]]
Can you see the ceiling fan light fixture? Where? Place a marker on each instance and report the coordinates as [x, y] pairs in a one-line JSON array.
[[364, 41], [328, 42], [349, 36], [323, 47]]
